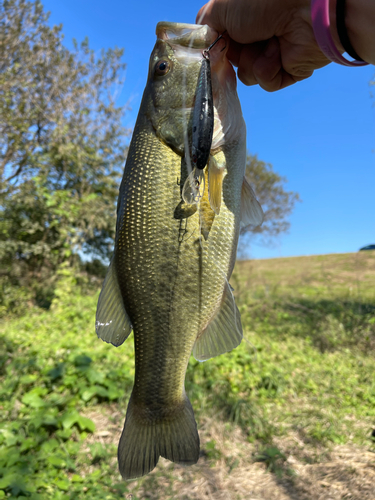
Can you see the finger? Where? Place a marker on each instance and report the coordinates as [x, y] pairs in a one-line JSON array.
[[204, 15], [245, 21], [222, 16], [268, 69], [234, 51], [244, 56]]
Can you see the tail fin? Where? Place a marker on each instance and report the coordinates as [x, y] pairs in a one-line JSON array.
[[142, 443]]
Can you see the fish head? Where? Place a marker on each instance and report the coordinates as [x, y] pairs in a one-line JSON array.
[[174, 68]]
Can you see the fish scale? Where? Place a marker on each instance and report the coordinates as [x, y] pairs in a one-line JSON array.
[[156, 248]]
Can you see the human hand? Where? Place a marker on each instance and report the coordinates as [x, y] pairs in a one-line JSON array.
[[271, 41]]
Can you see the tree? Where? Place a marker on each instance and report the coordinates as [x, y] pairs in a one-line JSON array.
[[277, 203], [62, 145], [62, 151]]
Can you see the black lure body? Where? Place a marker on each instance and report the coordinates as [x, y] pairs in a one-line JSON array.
[[203, 117]]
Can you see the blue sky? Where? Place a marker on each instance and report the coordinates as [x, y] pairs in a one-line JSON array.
[[319, 133]]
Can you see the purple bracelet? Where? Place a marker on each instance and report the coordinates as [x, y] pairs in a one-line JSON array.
[[320, 22]]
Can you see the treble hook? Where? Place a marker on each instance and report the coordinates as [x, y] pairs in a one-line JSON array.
[[206, 51]]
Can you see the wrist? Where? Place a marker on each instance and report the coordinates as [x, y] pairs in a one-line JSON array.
[[360, 21], [326, 31], [333, 26]]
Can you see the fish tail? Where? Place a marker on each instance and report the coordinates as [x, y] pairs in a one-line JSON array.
[[142, 443]]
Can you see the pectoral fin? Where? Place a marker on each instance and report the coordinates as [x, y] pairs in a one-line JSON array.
[[112, 322], [223, 333], [215, 184], [251, 211], [206, 214]]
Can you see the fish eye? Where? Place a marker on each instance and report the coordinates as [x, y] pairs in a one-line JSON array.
[[162, 67]]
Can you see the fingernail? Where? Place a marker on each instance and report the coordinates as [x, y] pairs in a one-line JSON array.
[[271, 49]]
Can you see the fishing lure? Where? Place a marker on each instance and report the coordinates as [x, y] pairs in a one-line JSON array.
[[203, 127], [203, 117]]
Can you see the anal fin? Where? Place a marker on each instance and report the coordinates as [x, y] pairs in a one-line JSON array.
[[112, 322], [223, 333]]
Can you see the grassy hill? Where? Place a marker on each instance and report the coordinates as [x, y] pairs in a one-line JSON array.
[[345, 275], [288, 414]]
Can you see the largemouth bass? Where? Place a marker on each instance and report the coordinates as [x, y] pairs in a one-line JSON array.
[[168, 278]]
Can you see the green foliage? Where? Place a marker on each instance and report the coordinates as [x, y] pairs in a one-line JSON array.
[[55, 374], [211, 450], [275, 461], [277, 203], [96, 268], [62, 146], [48, 377]]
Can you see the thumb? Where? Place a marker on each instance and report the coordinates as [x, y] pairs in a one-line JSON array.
[[202, 14], [213, 14]]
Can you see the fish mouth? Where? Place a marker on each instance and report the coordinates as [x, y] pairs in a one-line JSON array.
[[194, 36], [188, 42]]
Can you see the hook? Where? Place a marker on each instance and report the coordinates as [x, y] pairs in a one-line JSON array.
[[206, 51]]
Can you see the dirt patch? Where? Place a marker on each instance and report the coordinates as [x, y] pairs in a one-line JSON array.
[[229, 468], [109, 421]]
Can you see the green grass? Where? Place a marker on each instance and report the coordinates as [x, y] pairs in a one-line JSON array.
[[306, 369]]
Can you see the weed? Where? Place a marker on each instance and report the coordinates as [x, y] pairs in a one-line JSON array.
[[308, 371]]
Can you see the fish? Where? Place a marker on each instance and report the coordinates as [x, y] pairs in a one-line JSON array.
[[168, 279]]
